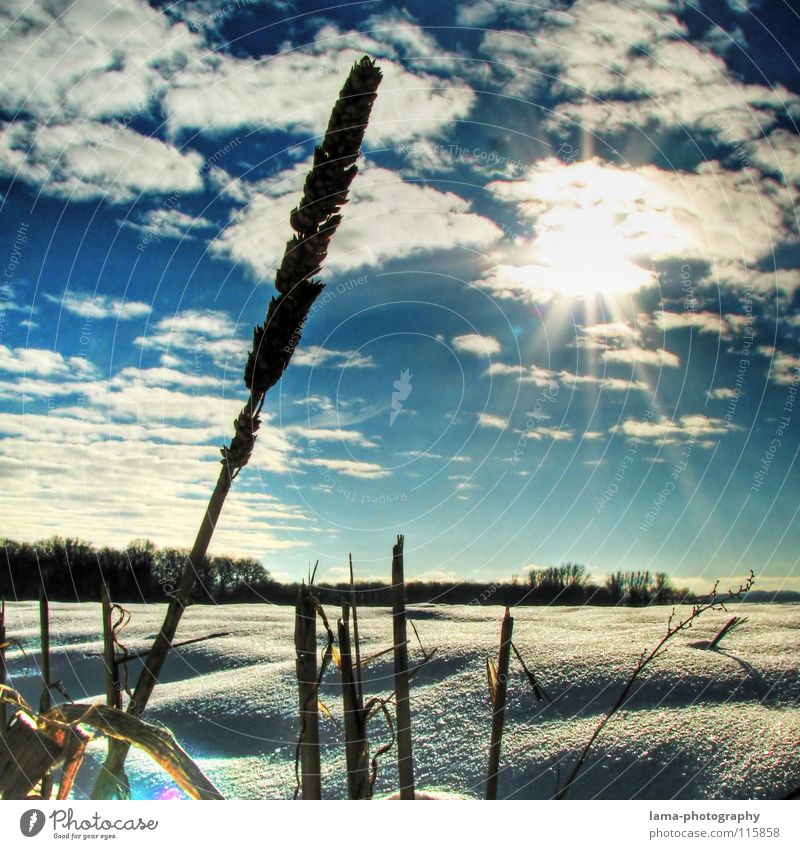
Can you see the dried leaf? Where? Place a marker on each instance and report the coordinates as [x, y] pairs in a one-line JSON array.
[[491, 674], [325, 711], [538, 692]]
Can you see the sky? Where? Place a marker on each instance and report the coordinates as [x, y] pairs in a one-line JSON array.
[[561, 317]]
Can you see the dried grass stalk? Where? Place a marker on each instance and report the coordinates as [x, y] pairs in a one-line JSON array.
[[73, 759], [356, 639], [314, 222], [539, 692], [153, 740], [305, 643], [355, 720], [44, 667], [405, 754], [27, 754], [3, 676], [498, 684], [327, 656], [37, 743], [729, 627], [112, 679]]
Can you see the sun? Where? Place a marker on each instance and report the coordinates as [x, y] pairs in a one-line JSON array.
[[597, 230], [586, 253]]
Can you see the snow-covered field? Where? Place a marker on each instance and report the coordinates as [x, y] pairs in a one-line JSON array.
[[703, 724]]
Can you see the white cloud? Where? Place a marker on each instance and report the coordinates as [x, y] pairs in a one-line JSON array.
[[524, 374], [88, 58], [201, 334], [721, 392], [314, 355], [83, 72], [136, 455], [42, 362], [604, 381], [784, 368], [778, 154], [615, 66], [597, 227], [542, 432], [81, 161], [95, 306], [387, 219], [592, 224], [323, 434], [669, 432], [705, 322], [489, 420], [350, 468], [476, 13], [293, 91], [611, 330], [110, 490], [475, 343], [168, 224], [642, 356]]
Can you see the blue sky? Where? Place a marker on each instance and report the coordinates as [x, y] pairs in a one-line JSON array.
[[561, 319]]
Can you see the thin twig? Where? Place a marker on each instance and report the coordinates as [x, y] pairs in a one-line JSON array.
[[715, 602]]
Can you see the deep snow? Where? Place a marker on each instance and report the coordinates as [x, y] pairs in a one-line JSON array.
[[702, 724]]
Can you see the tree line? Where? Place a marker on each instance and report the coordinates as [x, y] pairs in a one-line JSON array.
[[73, 570]]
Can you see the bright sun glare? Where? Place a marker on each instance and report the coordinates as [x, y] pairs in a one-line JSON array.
[[597, 229]]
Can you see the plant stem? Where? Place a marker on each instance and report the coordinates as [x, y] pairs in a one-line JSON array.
[[499, 704], [110, 781], [44, 667], [405, 755], [3, 677], [355, 730], [314, 221], [356, 639], [113, 688], [305, 643]]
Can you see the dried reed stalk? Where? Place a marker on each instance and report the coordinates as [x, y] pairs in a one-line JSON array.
[[327, 656], [539, 692], [405, 754], [356, 638], [27, 754], [355, 719], [44, 667], [305, 643], [731, 625], [314, 222], [113, 687], [3, 676], [36, 744], [113, 692], [499, 690], [73, 758]]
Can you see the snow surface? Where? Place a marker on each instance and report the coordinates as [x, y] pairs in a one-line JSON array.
[[702, 724]]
